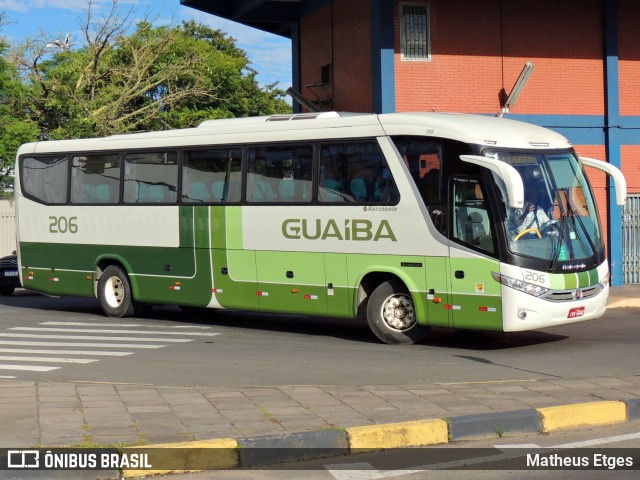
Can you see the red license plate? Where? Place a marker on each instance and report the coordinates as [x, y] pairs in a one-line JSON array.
[[576, 312]]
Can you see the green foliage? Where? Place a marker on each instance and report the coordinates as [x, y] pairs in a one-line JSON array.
[[15, 126], [124, 80]]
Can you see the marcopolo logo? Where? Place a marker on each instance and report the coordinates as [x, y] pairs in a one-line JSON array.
[[353, 230]]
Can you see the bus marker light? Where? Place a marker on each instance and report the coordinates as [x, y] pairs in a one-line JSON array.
[[437, 300], [177, 284], [294, 290], [88, 277]]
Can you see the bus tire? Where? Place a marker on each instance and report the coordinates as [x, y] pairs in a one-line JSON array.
[[114, 293], [391, 314]]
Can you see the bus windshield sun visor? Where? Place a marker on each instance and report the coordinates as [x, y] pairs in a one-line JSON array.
[[508, 174], [613, 172]]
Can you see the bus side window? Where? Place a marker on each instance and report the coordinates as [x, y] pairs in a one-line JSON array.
[[355, 172], [471, 221], [151, 177], [211, 176], [45, 178], [95, 179], [279, 173], [423, 158]]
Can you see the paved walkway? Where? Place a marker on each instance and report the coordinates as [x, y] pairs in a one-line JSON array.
[[45, 414]]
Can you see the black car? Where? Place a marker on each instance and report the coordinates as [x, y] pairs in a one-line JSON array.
[[9, 278]]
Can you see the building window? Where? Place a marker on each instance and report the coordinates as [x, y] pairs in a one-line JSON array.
[[414, 31]]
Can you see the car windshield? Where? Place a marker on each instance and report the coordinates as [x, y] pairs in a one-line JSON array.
[[559, 221]]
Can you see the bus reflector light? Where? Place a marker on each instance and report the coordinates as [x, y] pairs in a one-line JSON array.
[[54, 279], [262, 294], [487, 309], [174, 287], [311, 297], [216, 290]]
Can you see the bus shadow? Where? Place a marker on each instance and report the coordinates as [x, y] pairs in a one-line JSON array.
[[351, 330], [487, 341]]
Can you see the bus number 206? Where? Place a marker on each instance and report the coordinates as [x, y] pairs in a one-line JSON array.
[[63, 225]]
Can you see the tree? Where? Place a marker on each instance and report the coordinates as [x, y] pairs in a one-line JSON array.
[[156, 77], [15, 126]]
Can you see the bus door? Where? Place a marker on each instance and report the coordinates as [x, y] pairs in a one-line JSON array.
[[475, 296]]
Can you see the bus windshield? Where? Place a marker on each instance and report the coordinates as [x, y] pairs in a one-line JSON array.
[[559, 221]]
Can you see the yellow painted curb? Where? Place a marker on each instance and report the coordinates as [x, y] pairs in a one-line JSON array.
[[215, 454], [582, 414], [396, 435]]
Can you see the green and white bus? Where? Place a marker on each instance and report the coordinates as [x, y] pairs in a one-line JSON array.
[[409, 220]]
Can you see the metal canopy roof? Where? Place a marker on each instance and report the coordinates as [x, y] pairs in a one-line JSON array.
[[274, 16]]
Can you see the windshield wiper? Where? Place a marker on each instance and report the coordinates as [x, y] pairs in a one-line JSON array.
[[584, 230]]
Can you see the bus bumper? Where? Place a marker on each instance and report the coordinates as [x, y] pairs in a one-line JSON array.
[[523, 312]]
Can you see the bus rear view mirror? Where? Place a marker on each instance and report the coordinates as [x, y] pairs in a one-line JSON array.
[[508, 174], [613, 172]]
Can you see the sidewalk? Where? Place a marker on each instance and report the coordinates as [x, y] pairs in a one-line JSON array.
[[47, 414]]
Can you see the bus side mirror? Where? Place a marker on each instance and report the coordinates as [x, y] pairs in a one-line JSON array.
[[508, 174], [613, 172]]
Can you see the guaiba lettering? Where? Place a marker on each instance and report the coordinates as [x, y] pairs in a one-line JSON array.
[[357, 230]]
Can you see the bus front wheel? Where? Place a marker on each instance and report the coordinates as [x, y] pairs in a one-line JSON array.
[[392, 316], [114, 293]]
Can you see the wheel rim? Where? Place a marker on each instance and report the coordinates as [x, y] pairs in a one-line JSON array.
[[114, 292], [398, 312]]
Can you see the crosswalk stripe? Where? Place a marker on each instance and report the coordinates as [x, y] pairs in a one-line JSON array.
[[122, 325], [65, 352], [31, 368], [78, 344], [12, 358], [94, 337], [90, 330]]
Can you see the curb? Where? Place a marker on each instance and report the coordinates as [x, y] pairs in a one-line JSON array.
[[228, 453]]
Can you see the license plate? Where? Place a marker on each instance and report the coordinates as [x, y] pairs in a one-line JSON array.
[[10, 273], [576, 312]]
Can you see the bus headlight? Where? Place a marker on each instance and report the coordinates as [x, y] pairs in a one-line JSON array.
[[522, 286]]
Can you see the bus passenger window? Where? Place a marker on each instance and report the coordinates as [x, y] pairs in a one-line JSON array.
[[355, 173], [45, 178], [471, 220], [211, 176], [279, 173], [95, 179], [151, 177], [423, 158]]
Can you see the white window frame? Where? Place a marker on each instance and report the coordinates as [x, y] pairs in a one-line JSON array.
[[404, 41]]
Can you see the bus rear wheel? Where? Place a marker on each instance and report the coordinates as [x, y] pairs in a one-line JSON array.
[[391, 314], [114, 293]]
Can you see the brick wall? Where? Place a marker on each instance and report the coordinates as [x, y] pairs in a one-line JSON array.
[[479, 48], [338, 34]]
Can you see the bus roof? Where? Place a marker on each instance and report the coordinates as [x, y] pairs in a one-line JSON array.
[[468, 128]]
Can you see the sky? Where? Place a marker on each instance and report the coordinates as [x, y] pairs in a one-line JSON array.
[[270, 54]]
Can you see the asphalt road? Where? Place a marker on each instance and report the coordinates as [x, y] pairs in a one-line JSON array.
[[247, 349]]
